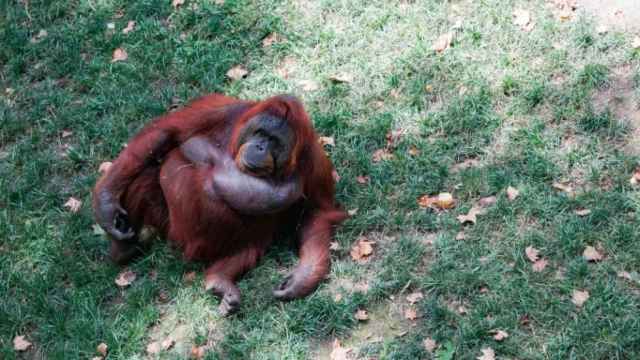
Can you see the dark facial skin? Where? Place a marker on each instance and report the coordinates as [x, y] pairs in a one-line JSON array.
[[243, 192], [266, 146]]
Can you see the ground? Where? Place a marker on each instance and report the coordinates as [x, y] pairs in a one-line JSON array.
[[533, 96]]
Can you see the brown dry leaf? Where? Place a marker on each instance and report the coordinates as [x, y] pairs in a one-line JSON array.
[[393, 137], [414, 297], [487, 354], [382, 154], [102, 349], [338, 352], [500, 335], [104, 167], [362, 250], [532, 253], [635, 178], [410, 314], [471, 216], [362, 179], [440, 201], [177, 3], [362, 315], [189, 277], [73, 204], [563, 187], [413, 151], [20, 343], [327, 140], [539, 265], [487, 201], [125, 278], [270, 40], [237, 72], [443, 42], [308, 85], [512, 193], [582, 212], [579, 297], [460, 235], [198, 352], [130, 26], [635, 43], [429, 344], [591, 254], [154, 348], [342, 77], [119, 54]]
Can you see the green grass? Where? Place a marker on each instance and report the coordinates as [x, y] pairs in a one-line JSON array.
[[532, 108]]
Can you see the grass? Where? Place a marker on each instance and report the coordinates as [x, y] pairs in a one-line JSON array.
[[531, 108]]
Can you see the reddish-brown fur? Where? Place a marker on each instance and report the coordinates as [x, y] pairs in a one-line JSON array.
[[157, 186]]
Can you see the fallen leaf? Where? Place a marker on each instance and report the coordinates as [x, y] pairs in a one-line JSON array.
[[500, 335], [189, 277], [393, 137], [97, 230], [539, 265], [327, 140], [73, 204], [167, 343], [362, 250], [440, 201], [591, 254], [20, 343], [39, 36], [562, 187], [111, 26], [130, 26], [487, 201], [125, 278], [335, 175], [635, 43], [532, 253], [461, 310], [286, 66], [460, 235], [468, 163], [308, 85], [102, 349], [198, 352], [154, 348], [177, 3], [625, 275], [414, 297], [66, 133], [334, 245], [119, 54], [602, 29], [442, 42], [237, 72], [338, 352], [429, 344], [341, 77], [487, 354], [471, 216], [104, 167], [522, 18], [270, 40], [97, 358], [382, 155], [579, 297], [337, 297], [352, 212], [362, 315], [635, 178], [410, 314], [582, 212], [413, 151], [512, 193], [360, 179]]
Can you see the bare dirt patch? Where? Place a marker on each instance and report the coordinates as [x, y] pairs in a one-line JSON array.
[[615, 14]]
